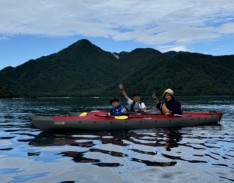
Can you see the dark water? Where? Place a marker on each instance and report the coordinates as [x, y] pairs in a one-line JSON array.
[[194, 154]]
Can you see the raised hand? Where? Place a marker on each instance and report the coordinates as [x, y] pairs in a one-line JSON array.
[[121, 87], [154, 96]]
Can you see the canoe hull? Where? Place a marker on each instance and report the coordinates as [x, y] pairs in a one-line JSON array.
[[97, 121]]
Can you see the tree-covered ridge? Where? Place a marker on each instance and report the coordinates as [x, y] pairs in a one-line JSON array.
[[83, 69]]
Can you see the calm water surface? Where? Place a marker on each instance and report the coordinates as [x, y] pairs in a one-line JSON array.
[[194, 154]]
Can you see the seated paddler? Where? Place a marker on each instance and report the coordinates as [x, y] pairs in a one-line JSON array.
[[117, 109], [135, 104], [169, 106]]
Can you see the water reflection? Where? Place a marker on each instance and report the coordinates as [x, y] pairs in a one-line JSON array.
[[95, 143], [158, 147]]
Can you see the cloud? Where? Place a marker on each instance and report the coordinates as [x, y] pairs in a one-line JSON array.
[[155, 22], [171, 48], [227, 28]]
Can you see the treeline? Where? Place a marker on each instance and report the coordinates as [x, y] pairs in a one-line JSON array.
[[84, 69]]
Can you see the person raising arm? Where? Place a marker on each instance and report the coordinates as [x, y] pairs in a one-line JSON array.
[[135, 104], [170, 106]]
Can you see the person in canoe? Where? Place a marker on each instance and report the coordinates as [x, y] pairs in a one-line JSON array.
[[117, 109], [170, 106], [135, 104]]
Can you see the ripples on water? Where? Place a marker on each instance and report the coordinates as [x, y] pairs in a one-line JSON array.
[[194, 154]]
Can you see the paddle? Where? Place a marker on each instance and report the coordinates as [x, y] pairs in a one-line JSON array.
[[121, 117], [84, 114]]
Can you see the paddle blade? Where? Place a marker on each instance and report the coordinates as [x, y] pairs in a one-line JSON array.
[[121, 117], [84, 114]]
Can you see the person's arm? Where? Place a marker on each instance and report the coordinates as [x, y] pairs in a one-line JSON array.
[[121, 87], [143, 107], [124, 110], [155, 98], [165, 110], [157, 102]]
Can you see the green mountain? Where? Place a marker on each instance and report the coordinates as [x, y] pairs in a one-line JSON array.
[[187, 74], [83, 69]]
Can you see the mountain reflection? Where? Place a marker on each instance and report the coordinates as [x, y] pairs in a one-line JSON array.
[[113, 145]]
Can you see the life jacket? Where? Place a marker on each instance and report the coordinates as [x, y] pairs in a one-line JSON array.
[[138, 107], [117, 111]]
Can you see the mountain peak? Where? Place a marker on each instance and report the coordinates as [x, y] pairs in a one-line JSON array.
[[83, 44]]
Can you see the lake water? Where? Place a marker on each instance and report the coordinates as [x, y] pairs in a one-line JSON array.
[[193, 154]]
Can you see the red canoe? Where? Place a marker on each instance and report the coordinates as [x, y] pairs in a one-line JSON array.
[[98, 120]]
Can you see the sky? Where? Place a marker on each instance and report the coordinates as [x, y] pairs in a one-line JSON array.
[[30, 29]]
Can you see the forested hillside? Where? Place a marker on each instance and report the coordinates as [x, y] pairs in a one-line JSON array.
[[84, 69]]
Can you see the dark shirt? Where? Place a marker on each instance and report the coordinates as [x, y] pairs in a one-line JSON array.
[[172, 105]]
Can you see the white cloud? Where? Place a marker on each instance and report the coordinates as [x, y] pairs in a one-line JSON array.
[[227, 28], [155, 22], [171, 48]]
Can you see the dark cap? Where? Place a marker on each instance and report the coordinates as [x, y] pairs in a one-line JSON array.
[[136, 94], [114, 100]]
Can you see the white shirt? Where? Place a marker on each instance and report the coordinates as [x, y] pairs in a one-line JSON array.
[[141, 105]]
